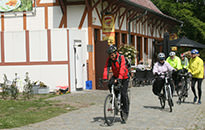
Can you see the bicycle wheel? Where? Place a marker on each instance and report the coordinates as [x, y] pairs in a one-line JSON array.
[[124, 115], [109, 112], [170, 102]]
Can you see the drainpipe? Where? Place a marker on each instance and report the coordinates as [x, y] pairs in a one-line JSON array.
[[137, 17]]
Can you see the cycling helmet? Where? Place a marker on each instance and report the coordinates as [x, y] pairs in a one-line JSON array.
[[111, 49], [194, 51], [172, 53], [161, 56]]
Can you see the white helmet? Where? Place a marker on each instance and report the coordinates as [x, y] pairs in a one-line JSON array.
[[172, 53], [161, 56]]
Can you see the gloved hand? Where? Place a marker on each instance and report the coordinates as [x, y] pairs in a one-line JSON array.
[[189, 74], [119, 81], [105, 80]]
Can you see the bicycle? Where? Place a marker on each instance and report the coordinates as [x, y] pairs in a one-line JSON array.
[[113, 104], [167, 93], [182, 90]]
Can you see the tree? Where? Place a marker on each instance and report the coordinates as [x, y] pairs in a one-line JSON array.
[[191, 12]]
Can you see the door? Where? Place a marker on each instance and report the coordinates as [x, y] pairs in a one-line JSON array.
[[78, 64], [100, 59]]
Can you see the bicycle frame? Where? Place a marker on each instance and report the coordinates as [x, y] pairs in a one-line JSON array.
[[114, 98]]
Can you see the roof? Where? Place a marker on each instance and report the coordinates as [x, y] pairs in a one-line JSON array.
[[150, 7], [147, 4]]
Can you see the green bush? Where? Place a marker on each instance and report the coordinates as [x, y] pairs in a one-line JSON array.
[[129, 52]]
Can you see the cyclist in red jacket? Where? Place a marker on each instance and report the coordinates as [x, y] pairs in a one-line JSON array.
[[120, 74]]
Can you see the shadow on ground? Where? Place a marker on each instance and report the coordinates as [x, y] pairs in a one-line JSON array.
[[101, 120]]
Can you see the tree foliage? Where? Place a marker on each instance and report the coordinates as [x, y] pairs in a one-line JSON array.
[[191, 12]]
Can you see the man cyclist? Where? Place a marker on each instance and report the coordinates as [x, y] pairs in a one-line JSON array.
[[184, 61], [161, 66], [196, 68], [185, 65], [175, 62], [120, 74]]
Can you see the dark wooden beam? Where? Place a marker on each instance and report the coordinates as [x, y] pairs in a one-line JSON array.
[[63, 5]]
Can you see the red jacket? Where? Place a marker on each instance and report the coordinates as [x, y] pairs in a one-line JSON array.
[[119, 69]]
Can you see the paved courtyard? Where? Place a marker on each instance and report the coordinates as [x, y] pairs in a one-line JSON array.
[[145, 113]]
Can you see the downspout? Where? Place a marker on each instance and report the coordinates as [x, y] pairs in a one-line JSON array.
[[137, 17]]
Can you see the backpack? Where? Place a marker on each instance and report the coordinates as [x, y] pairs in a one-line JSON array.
[[127, 62]]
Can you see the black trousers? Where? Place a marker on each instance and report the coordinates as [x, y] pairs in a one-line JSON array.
[[123, 90], [194, 80]]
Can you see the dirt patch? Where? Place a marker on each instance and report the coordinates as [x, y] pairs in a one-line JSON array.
[[81, 99]]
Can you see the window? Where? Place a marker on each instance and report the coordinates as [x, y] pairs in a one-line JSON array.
[[124, 38]]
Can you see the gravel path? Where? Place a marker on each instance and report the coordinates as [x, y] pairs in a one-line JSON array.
[[145, 113]]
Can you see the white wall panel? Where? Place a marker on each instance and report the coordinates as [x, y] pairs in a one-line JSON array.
[[37, 22], [124, 24], [117, 24], [0, 48], [15, 49], [13, 24], [48, 1], [95, 16], [74, 14], [149, 48], [59, 45], [38, 45], [54, 17], [51, 75]]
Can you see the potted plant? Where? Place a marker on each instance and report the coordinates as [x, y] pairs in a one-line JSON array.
[[40, 88], [129, 52]]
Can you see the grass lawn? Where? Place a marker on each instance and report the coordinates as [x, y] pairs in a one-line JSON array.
[[16, 113]]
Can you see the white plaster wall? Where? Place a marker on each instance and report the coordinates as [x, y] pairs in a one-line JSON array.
[[37, 22], [117, 24], [48, 1], [149, 33], [15, 48], [149, 48], [124, 24], [51, 75], [74, 14], [59, 45], [0, 49], [54, 17], [13, 24], [140, 27], [75, 34], [143, 55], [38, 45], [95, 16]]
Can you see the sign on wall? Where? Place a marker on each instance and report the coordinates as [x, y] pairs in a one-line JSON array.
[[108, 29], [16, 5]]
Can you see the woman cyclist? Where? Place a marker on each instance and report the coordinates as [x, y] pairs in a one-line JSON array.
[[196, 68], [161, 66]]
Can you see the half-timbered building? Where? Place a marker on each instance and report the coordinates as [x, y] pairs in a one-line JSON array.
[[60, 43]]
